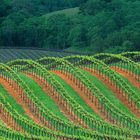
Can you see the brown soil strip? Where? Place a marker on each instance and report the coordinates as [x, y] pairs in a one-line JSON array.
[[127, 74], [90, 100], [8, 120], [124, 99], [63, 105], [12, 90]]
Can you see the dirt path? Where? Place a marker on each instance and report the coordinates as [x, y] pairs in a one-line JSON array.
[[64, 107], [118, 94], [89, 100], [17, 96], [128, 75]]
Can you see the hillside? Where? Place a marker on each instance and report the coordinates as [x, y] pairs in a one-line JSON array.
[[30, 53], [69, 69], [71, 98]]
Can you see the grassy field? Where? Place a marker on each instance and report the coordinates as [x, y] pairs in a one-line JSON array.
[[68, 12]]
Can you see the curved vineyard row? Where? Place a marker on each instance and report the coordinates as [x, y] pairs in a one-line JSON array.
[[71, 98]]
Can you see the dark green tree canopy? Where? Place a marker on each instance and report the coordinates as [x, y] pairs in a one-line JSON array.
[[83, 25]]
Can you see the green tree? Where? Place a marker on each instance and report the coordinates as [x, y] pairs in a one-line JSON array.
[[78, 37], [7, 33], [57, 27]]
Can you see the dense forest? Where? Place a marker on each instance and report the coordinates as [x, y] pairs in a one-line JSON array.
[[72, 25]]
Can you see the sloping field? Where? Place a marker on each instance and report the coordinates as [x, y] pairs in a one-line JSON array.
[[70, 12], [71, 98], [7, 55]]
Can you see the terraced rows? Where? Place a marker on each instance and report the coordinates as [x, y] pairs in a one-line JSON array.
[[71, 98]]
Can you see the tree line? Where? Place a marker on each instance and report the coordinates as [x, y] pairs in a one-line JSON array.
[[99, 26]]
